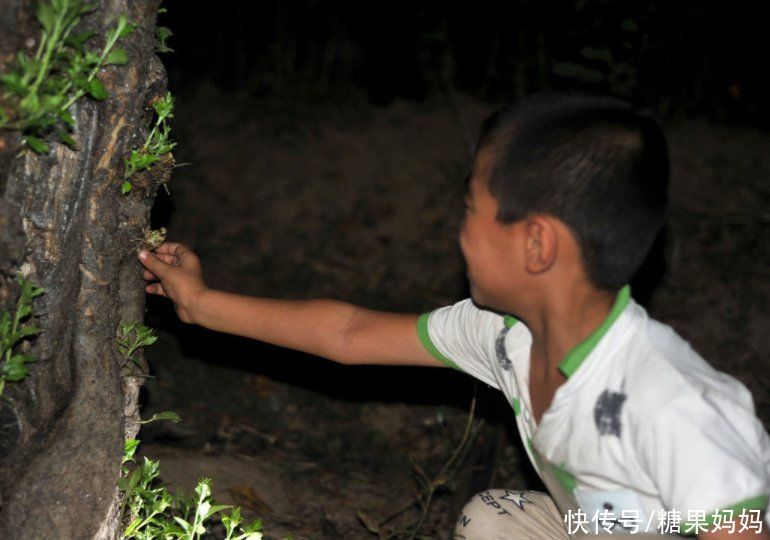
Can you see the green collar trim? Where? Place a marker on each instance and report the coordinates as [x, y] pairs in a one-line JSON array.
[[575, 357], [509, 321]]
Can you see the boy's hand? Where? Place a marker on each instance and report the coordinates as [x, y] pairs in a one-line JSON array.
[[174, 272]]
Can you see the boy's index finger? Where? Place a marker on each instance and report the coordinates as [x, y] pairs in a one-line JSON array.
[[170, 248], [176, 250], [152, 263]]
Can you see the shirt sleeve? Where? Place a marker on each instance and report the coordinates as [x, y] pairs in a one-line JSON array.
[[463, 337], [701, 463]]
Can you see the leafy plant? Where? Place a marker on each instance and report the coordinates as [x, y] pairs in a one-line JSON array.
[[158, 142], [40, 90], [161, 35], [165, 415], [13, 331], [132, 337], [153, 512]]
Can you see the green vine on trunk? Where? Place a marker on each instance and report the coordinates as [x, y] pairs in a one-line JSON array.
[[132, 337], [14, 331], [40, 90], [157, 144]]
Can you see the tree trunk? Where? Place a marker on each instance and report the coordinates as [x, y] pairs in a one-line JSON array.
[[65, 224]]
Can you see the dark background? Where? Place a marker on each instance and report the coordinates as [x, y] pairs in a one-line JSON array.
[[684, 58]]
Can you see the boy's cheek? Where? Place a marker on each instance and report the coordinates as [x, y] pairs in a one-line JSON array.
[[463, 241]]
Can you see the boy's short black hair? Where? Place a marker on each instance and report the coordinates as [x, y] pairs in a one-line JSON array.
[[592, 162]]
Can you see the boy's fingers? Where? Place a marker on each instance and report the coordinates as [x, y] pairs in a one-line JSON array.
[[171, 248], [155, 288], [168, 259], [180, 254], [153, 263]]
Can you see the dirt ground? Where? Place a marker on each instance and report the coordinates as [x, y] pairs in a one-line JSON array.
[[363, 204]]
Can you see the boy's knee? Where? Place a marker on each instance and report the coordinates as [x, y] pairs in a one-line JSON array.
[[498, 514], [476, 517], [488, 502]]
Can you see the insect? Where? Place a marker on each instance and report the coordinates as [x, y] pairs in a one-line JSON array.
[[150, 239]]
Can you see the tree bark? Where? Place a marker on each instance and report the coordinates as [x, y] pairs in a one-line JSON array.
[[65, 224]]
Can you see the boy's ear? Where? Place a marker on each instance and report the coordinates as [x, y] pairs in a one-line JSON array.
[[541, 243]]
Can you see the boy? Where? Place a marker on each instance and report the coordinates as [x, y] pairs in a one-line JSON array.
[[629, 429]]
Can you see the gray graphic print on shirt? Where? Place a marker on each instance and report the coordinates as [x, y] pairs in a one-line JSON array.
[[502, 357], [607, 412]]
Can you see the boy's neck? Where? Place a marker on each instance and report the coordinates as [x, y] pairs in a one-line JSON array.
[[566, 317]]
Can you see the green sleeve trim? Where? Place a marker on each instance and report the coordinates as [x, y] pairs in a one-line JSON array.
[[422, 333], [731, 512], [565, 478], [516, 404], [576, 356], [539, 464]]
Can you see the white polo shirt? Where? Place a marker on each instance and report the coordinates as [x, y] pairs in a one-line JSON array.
[[642, 427]]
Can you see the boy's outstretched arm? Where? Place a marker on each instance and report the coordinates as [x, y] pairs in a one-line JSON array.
[[335, 330]]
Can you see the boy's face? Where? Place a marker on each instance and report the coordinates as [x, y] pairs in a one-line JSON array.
[[489, 247]]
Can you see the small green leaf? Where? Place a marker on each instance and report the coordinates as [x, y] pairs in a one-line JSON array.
[[214, 509], [165, 415], [124, 27], [30, 103], [136, 475], [14, 370], [81, 38], [164, 106], [162, 34], [186, 526], [80, 81], [29, 330], [148, 340], [125, 187], [130, 449], [67, 118], [117, 57], [52, 102], [24, 309], [35, 290], [253, 527], [67, 139], [132, 527], [37, 145], [97, 90], [25, 62], [46, 16], [125, 328], [13, 82]]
